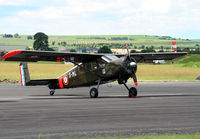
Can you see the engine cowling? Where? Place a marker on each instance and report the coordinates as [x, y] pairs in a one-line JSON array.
[[130, 65]]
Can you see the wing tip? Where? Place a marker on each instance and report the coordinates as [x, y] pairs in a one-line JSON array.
[[10, 54]]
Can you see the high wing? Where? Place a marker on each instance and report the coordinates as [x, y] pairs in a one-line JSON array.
[[145, 57], [34, 56]]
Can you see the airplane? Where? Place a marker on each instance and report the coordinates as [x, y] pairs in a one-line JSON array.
[[89, 69]]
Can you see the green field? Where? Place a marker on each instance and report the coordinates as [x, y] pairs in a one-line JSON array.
[[182, 69], [97, 40], [193, 136], [187, 61], [146, 72]]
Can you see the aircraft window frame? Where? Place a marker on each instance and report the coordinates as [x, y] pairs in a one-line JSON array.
[[109, 58], [94, 66], [88, 66], [81, 68]]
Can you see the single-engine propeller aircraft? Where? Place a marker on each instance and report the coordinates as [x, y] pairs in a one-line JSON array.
[[89, 69]]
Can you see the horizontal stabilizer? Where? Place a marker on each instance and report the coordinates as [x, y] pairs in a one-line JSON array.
[[41, 82], [25, 77]]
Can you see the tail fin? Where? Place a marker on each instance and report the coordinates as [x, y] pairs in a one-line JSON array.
[[25, 78], [24, 72]]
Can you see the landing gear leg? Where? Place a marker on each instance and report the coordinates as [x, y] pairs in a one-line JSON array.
[[52, 91], [94, 91], [132, 91]]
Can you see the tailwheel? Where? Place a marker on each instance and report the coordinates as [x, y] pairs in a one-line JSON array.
[[93, 93], [132, 92], [52, 91]]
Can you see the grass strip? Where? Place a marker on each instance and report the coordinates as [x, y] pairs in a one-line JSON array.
[[187, 136], [145, 72]]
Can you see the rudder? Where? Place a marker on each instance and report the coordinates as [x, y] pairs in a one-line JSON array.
[[24, 72]]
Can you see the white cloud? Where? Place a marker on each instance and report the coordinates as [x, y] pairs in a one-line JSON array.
[[15, 2], [156, 6], [164, 17]]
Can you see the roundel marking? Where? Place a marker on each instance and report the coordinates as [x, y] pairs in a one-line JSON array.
[[65, 80]]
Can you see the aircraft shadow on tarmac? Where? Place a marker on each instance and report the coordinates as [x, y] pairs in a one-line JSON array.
[[76, 96], [7, 101]]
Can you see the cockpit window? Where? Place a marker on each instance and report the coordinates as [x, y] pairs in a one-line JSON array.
[[109, 58], [81, 68], [88, 66]]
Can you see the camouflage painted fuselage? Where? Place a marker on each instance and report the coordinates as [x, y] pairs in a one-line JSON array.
[[88, 74]]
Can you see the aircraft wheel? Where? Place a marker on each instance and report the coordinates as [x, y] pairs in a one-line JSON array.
[[93, 93], [132, 92], [51, 93]]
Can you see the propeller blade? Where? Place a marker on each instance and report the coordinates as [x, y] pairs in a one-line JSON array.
[[135, 80], [128, 51]]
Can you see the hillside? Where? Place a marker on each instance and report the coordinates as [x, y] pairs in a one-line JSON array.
[[114, 41], [187, 61]]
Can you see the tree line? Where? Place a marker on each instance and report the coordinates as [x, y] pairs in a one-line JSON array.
[[16, 35]]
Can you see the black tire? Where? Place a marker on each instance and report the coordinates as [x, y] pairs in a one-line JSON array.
[[51, 93], [93, 93], [132, 92]]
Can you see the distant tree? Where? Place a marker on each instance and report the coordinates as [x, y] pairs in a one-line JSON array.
[[29, 37], [72, 50], [41, 42], [133, 51], [184, 50], [63, 43], [7, 36], [161, 51], [162, 48], [29, 48], [148, 50], [197, 47], [119, 38], [51, 49], [142, 47], [53, 43], [2, 53], [16, 35], [104, 49]]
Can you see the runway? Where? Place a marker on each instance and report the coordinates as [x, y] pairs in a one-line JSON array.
[[161, 108]]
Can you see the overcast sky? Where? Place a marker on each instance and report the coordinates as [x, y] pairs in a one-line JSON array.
[[177, 18]]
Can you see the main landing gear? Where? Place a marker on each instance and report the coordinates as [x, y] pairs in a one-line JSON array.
[[132, 91], [52, 91], [94, 91]]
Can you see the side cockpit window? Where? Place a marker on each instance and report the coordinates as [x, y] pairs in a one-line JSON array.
[[81, 68], [88, 66]]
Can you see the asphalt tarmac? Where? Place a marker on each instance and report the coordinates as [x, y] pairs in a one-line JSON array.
[[161, 108]]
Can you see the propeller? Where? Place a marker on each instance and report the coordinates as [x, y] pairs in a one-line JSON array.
[[131, 66]]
